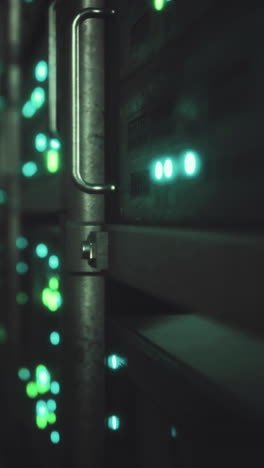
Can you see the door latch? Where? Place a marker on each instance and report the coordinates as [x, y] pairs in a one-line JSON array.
[[95, 250]]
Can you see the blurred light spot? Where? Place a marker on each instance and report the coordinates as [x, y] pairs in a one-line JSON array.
[[53, 161], [55, 338], [28, 110], [29, 169], [113, 423], [31, 389], [3, 334], [55, 388], [21, 298], [51, 405], [54, 262], [38, 97], [21, 268], [24, 374], [21, 242], [55, 437], [41, 142], [42, 250], [55, 144], [41, 71]]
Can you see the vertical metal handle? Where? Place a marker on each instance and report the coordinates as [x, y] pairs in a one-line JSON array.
[[52, 46], [87, 13]]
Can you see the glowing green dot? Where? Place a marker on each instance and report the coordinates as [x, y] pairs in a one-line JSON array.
[[51, 418], [159, 4], [158, 170], [3, 197], [41, 422], [21, 268], [24, 374], [168, 168], [173, 432], [53, 161], [31, 389], [21, 298], [21, 242], [55, 437], [51, 299], [113, 423], [42, 375], [55, 144], [54, 262], [3, 334], [42, 250], [41, 142], [29, 169], [51, 405], [115, 362], [54, 283], [55, 388], [38, 97], [41, 71], [190, 164], [55, 338], [28, 110]]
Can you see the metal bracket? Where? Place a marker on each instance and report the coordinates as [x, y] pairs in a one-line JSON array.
[[95, 250]]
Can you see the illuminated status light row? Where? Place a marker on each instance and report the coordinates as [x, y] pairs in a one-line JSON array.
[[50, 148], [168, 168], [38, 96], [45, 411]]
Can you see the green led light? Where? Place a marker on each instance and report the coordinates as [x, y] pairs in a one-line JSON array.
[[55, 437], [42, 250], [41, 71], [168, 168], [54, 262], [21, 268], [54, 283], [3, 197], [21, 243], [55, 388], [115, 362], [24, 374], [51, 418], [55, 338], [41, 422], [29, 169], [113, 423], [174, 432], [28, 110], [3, 334], [53, 161], [21, 298], [159, 4], [41, 408], [51, 405], [41, 142], [31, 389], [55, 144], [42, 375], [51, 299], [158, 170], [38, 97]]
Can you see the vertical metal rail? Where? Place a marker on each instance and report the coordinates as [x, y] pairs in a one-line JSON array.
[[84, 311]]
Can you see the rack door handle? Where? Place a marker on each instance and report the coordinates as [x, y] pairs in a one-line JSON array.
[[52, 46], [84, 186]]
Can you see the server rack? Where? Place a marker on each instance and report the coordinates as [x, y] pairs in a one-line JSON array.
[[146, 192]]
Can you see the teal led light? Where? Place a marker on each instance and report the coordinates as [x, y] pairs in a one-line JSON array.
[[21, 268], [41, 71], [51, 405], [115, 362], [41, 408], [42, 250], [158, 171], [42, 379], [38, 97], [21, 243], [55, 437], [55, 144], [28, 110], [24, 374], [55, 338], [41, 142], [191, 164], [55, 388], [113, 423], [3, 334], [168, 168], [3, 197], [29, 169], [54, 262], [174, 433], [159, 4]]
